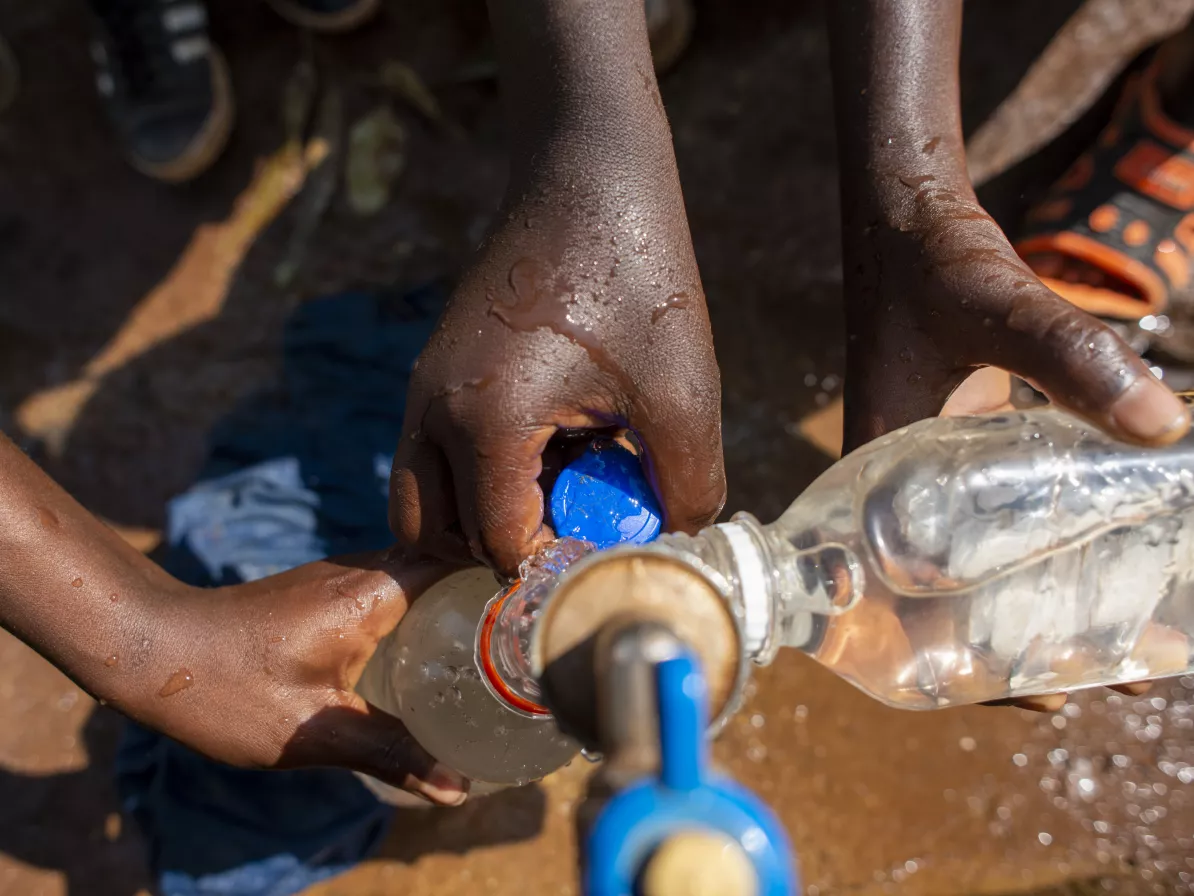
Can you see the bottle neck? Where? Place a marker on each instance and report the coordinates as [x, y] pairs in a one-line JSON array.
[[504, 636], [782, 593], [501, 657]]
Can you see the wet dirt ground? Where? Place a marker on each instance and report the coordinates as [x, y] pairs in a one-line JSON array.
[[133, 315]]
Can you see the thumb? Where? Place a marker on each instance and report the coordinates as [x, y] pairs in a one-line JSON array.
[[1083, 366], [363, 738]]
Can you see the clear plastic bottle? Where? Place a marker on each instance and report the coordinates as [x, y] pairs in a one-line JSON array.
[[453, 671], [456, 670], [973, 559]]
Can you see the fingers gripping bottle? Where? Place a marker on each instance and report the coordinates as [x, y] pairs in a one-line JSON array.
[[456, 672], [970, 559]]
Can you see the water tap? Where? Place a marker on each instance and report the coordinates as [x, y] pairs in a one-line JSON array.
[[665, 823]]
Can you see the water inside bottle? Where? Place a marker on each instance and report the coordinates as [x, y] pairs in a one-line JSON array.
[[1002, 557]]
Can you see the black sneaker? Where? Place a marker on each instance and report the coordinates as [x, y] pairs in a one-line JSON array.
[[326, 15], [166, 88]]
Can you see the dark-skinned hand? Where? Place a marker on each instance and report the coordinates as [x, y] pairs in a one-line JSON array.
[[259, 675], [559, 326], [583, 309], [950, 296], [262, 675], [934, 291]]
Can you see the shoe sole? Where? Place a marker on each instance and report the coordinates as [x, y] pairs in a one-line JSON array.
[[327, 23], [212, 138]]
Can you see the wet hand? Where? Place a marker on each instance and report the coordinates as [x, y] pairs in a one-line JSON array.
[[943, 306], [944, 295], [261, 675], [583, 311]]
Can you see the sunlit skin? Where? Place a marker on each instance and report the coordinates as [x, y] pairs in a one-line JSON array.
[[933, 287], [583, 309], [564, 318], [257, 675]]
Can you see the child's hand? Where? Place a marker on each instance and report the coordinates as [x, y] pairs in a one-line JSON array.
[[934, 290], [948, 295], [262, 675], [258, 675], [584, 308], [561, 324]]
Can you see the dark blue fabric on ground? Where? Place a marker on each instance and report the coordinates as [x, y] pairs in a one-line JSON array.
[[294, 475]]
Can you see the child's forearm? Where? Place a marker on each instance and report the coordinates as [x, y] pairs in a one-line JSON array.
[[260, 675], [581, 99], [70, 587], [895, 77]]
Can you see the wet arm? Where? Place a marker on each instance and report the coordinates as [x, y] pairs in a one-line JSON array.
[[895, 76], [211, 668], [583, 308], [582, 105], [934, 290], [70, 587]]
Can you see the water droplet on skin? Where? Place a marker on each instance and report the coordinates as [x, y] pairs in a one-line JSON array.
[[913, 379], [115, 598], [112, 660], [905, 354], [274, 639], [77, 583], [179, 681], [676, 300], [457, 696]]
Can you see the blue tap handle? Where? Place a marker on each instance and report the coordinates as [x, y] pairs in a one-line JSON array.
[[685, 797]]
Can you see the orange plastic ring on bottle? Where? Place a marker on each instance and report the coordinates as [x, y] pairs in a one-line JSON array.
[[503, 689]]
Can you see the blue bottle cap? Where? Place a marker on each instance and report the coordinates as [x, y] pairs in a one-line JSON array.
[[604, 498]]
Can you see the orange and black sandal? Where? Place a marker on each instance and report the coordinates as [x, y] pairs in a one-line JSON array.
[[1115, 236]]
